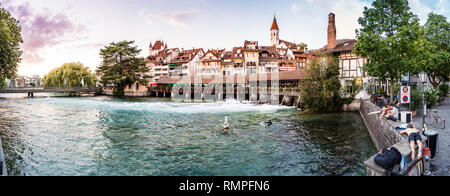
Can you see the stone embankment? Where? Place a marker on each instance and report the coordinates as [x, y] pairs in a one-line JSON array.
[[384, 136], [2, 161]]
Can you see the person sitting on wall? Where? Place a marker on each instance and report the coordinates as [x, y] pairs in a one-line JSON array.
[[414, 138], [385, 111], [389, 111], [393, 112]]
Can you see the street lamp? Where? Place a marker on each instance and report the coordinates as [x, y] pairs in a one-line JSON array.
[[423, 79]]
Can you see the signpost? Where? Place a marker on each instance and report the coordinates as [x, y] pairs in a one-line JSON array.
[[405, 94]]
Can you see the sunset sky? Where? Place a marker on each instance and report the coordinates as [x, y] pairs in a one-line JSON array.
[[59, 31]]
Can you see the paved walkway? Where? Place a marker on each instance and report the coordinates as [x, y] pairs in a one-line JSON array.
[[440, 165]]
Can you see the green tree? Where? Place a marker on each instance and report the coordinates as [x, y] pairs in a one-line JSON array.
[[389, 37], [121, 66], [10, 40], [436, 52], [2, 81], [303, 46], [70, 75], [321, 92]]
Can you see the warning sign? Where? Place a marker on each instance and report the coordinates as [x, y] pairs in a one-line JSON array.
[[405, 94]]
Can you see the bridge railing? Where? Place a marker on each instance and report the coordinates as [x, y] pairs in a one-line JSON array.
[[72, 88], [21, 88]]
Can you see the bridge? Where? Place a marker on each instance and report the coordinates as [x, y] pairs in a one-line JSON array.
[[71, 90]]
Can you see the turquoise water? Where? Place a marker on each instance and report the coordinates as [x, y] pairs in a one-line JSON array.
[[106, 136]]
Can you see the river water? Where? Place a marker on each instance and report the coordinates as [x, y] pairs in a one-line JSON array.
[[51, 135]]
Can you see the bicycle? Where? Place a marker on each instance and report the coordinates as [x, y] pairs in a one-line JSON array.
[[434, 118]]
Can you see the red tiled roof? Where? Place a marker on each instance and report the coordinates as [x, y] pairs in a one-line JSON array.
[[342, 45], [235, 51], [158, 45], [289, 44]]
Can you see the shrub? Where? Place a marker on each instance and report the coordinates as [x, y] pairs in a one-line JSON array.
[[431, 97], [416, 99], [443, 90]]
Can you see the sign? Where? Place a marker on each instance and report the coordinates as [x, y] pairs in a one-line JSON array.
[[405, 94], [405, 78]]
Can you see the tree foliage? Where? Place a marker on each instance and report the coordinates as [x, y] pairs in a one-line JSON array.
[[390, 38], [70, 75], [321, 92], [121, 66], [436, 51], [10, 40], [2, 81]]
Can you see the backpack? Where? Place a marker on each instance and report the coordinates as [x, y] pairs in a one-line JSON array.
[[387, 159]]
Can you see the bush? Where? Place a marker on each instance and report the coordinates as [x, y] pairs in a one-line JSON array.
[[431, 97], [321, 93], [416, 99], [443, 90]]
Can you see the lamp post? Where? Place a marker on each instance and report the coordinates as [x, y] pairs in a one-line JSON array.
[[423, 79]]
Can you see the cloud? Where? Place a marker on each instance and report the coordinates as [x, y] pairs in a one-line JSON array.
[[42, 29], [181, 18], [90, 45]]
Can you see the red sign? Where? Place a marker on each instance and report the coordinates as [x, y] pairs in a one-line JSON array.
[[405, 89]]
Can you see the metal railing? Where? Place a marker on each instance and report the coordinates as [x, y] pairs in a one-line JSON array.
[[2, 162]]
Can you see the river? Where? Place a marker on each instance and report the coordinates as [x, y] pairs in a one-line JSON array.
[[98, 136]]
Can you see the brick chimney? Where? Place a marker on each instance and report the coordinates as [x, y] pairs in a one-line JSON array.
[[331, 31]]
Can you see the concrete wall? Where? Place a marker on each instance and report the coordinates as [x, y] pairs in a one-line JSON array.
[[2, 161], [384, 136]]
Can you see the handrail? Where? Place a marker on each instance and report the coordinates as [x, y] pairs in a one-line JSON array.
[[2, 162]]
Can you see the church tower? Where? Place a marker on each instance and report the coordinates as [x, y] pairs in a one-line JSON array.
[[274, 33]]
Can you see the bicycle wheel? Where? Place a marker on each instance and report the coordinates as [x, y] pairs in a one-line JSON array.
[[429, 120], [440, 122]]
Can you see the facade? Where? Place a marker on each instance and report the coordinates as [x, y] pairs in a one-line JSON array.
[[237, 58], [268, 59], [186, 62], [24, 81], [211, 63], [158, 60], [251, 57]]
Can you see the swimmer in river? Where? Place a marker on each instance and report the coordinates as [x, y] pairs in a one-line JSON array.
[[268, 124]]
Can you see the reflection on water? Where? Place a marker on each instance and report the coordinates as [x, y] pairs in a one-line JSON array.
[[106, 136]]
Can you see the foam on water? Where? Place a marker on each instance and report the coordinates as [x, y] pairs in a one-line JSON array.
[[229, 106]]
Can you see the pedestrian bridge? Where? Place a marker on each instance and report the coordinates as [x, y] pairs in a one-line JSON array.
[[33, 90]]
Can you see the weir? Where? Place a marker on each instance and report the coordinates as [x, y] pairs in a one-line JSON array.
[[195, 94]]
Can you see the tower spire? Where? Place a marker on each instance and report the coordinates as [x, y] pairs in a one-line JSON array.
[[274, 24]]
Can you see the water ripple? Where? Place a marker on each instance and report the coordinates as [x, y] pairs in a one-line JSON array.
[[107, 136]]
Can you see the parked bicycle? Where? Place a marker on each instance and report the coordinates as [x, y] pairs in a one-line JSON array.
[[436, 119]]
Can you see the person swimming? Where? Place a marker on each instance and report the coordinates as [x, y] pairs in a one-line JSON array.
[[269, 123]]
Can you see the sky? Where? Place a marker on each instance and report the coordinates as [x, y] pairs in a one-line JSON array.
[[60, 31]]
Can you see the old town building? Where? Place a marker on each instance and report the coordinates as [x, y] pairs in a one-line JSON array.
[[211, 63], [350, 64]]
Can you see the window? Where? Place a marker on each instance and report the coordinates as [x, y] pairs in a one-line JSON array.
[[349, 86], [353, 64]]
